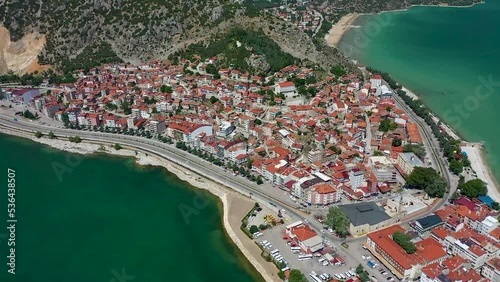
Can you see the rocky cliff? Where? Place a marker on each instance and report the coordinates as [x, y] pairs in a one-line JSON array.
[[20, 56]]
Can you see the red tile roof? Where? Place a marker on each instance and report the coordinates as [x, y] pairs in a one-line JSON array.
[[303, 232]]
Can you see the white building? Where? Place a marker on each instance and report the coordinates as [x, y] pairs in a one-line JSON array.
[[408, 161], [487, 225], [287, 88], [357, 178], [376, 81], [383, 169], [491, 269], [191, 133]]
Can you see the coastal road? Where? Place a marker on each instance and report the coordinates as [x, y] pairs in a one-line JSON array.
[[190, 162], [433, 146]]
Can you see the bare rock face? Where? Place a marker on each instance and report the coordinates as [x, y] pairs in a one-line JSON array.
[[258, 63], [137, 30], [20, 56]]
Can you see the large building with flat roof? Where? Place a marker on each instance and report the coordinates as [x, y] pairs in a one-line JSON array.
[[366, 217], [407, 162], [427, 223], [405, 266]]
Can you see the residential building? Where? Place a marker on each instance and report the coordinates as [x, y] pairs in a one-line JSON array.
[[407, 162], [322, 194], [383, 169], [287, 88], [356, 178], [491, 269], [23, 96], [487, 225]]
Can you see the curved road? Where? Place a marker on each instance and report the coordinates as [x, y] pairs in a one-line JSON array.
[[205, 169], [190, 162]]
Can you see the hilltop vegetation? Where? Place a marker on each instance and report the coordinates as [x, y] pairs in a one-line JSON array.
[[238, 46], [137, 31]]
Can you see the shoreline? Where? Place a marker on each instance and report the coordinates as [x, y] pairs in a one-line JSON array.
[[344, 25], [479, 165], [474, 150], [336, 33], [440, 5], [225, 195]]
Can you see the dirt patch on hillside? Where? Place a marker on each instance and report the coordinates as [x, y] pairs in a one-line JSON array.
[[21, 56]]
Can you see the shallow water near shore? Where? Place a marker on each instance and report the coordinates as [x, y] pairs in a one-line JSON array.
[[108, 219], [450, 57]]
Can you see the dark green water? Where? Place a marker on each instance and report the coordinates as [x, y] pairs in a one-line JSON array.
[[108, 215], [444, 55]]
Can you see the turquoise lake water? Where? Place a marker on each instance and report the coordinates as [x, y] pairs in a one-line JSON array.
[[448, 56], [107, 219]]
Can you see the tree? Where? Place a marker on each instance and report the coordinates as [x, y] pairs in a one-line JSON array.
[[51, 135], [337, 70], [403, 240], [454, 196], [211, 69], [474, 188], [417, 149], [281, 275], [38, 134], [436, 188], [359, 269], [259, 180], [378, 153], [75, 139], [456, 166], [257, 121], [297, 276], [65, 119], [495, 205], [27, 114], [364, 277], [166, 89], [249, 163], [117, 146], [213, 99], [396, 142], [254, 229], [338, 221], [386, 125], [427, 179]]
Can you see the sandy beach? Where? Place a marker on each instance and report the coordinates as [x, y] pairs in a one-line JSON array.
[[337, 31], [235, 205], [478, 164]]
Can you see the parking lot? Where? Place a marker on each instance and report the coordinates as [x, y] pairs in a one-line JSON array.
[[379, 270], [274, 237]]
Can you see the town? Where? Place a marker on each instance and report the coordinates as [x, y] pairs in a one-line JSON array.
[[333, 146]]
